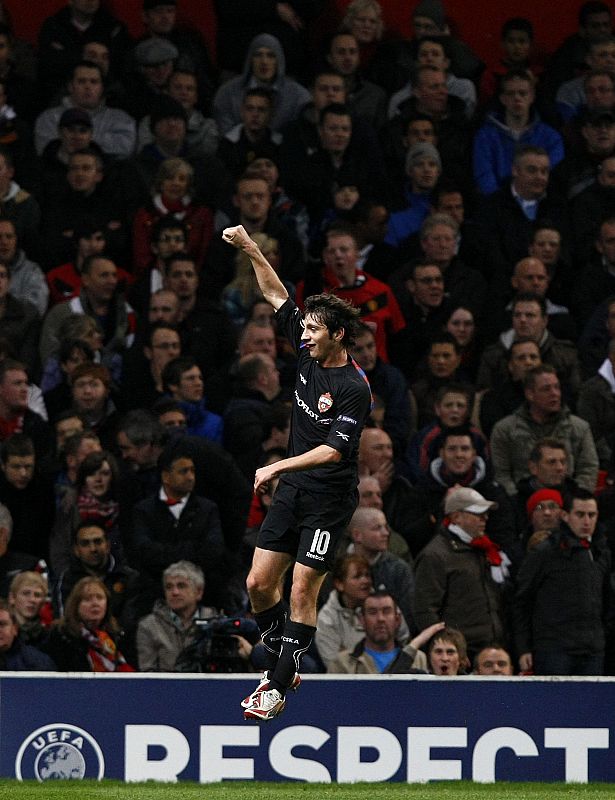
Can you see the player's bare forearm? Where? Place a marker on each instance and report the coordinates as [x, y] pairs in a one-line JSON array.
[[270, 285], [317, 457]]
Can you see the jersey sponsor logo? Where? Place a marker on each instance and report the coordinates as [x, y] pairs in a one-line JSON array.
[[325, 402], [343, 436], [342, 418], [304, 407], [290, 641], [303, 380], [314, 556], [59, 752], [325, 420]]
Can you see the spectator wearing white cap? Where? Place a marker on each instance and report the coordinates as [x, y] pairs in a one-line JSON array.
[[461, 574]]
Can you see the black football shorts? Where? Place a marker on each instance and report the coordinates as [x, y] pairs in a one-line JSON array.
[[306, 525]]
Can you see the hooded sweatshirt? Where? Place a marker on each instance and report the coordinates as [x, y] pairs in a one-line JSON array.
[[288, 95]]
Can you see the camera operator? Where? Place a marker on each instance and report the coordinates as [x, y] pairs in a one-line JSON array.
[[172, 626]]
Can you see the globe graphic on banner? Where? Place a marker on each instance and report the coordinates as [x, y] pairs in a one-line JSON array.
[[60, 762]]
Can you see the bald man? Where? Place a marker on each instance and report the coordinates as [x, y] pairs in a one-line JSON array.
[[370, 538], [531, 275]]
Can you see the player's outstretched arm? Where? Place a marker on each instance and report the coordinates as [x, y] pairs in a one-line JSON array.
[[270, 285]]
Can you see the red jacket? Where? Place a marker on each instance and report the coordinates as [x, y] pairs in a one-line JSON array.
[[373, 298], [200, 222]]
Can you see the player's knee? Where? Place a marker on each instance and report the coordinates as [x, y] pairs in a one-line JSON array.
[[258, 584]]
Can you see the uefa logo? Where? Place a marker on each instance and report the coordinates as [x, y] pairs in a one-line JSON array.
[[59, 752]]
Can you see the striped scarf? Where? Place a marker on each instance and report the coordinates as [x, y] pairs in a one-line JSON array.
[[103, 654]]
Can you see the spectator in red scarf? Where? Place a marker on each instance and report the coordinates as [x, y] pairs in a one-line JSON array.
[[172, 193], [86, 638], [461, 574]]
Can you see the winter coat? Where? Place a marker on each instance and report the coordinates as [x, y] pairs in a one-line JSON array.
[[160, 637], [288, 95], [358, 662], [560, 602], [454, 584], [513, 438], [339, 628], [494, 149]]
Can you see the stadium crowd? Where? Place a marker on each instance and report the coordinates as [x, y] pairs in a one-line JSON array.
[[467, 209]]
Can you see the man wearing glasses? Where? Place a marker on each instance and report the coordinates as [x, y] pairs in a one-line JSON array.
[[460, 574]]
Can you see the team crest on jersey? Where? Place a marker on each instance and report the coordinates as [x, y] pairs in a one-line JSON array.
[[325, 401]]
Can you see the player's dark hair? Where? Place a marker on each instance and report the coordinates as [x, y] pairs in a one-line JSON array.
[[335, 314]]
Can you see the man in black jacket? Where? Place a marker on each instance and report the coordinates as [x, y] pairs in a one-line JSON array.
[[176, 524], [92, 556], [561, 596]]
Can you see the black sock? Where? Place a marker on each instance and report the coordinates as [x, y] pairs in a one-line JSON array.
[[271, 625], [296, 639]]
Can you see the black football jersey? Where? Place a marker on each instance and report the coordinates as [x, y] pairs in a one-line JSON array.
[[330, 406]]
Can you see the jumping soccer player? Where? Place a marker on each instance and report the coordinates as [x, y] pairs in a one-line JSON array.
[[317, 492]]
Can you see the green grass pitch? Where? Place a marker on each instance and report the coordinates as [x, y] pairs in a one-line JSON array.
[[111, 790]]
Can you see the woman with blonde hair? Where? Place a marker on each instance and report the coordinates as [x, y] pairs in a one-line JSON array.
[[172, 193], [363, 19], [27, 600], [86, 638]]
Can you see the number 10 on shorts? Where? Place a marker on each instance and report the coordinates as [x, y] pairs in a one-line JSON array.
[[320, 542]]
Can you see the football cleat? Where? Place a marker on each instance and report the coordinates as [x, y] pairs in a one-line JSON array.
[[264, 683], [266, 705]]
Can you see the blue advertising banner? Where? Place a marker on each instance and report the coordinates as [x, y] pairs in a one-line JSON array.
[[345, 729]]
